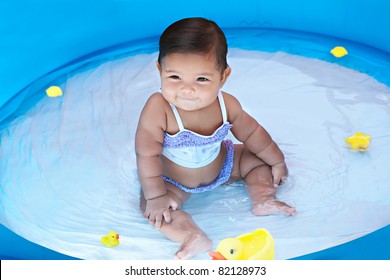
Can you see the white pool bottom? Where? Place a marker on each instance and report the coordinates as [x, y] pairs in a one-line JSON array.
[[69, 173]]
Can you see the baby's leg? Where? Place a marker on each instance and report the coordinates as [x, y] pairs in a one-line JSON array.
[[182, 228], [258, 178], [263, 193]]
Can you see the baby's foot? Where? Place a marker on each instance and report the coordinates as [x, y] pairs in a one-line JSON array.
[[273, 207], [194, 244]]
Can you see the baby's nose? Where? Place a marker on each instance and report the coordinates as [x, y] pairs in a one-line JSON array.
[[187, 88]]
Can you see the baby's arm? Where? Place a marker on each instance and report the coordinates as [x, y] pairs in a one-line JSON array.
[[247, 130], [148, 146]]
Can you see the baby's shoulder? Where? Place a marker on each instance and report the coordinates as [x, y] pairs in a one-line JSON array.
[[156, 106], [233, 107], [156, 99], [230, 101], [156, 102]]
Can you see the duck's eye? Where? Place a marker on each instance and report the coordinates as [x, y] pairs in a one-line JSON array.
[[232, 251]]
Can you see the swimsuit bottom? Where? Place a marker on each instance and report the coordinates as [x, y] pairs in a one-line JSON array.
[[222, 178]]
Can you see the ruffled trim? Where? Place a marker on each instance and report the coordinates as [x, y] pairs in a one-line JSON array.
[[187, 138]]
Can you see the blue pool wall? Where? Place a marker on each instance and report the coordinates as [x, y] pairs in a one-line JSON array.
[[38, 37]]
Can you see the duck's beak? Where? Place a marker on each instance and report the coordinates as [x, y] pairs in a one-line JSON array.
[[117, 236], [216, 256]]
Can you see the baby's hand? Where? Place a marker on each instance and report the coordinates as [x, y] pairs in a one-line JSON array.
[[159, 208], [279, 173]]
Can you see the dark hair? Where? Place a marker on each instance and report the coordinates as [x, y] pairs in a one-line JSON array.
[[194, 35]]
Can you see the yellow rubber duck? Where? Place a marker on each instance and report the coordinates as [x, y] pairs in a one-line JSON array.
[[54, 91], [339, 51], [359, 141], [257, 245], [111, 239]]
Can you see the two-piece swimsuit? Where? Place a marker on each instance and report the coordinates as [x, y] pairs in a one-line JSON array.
[[193, 150]]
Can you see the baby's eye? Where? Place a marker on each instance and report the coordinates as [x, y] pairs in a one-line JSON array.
[[202, 79], [174, 77]]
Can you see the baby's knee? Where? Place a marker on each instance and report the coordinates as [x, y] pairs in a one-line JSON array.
[[181, 218], [249, 162]]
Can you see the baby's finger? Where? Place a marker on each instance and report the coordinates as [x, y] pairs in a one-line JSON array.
[[167, 216], [276, 181], [158, 222], [152, 218], [146, 215], [174, 205]]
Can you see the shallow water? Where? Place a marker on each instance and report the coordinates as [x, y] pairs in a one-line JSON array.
[[69, 174]]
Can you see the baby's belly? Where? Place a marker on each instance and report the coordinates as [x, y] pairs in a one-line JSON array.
[[194, 177]]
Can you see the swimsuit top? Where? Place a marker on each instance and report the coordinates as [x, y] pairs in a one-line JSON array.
[[193, 150]]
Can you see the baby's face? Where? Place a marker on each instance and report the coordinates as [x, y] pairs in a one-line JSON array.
[[191, 81]]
